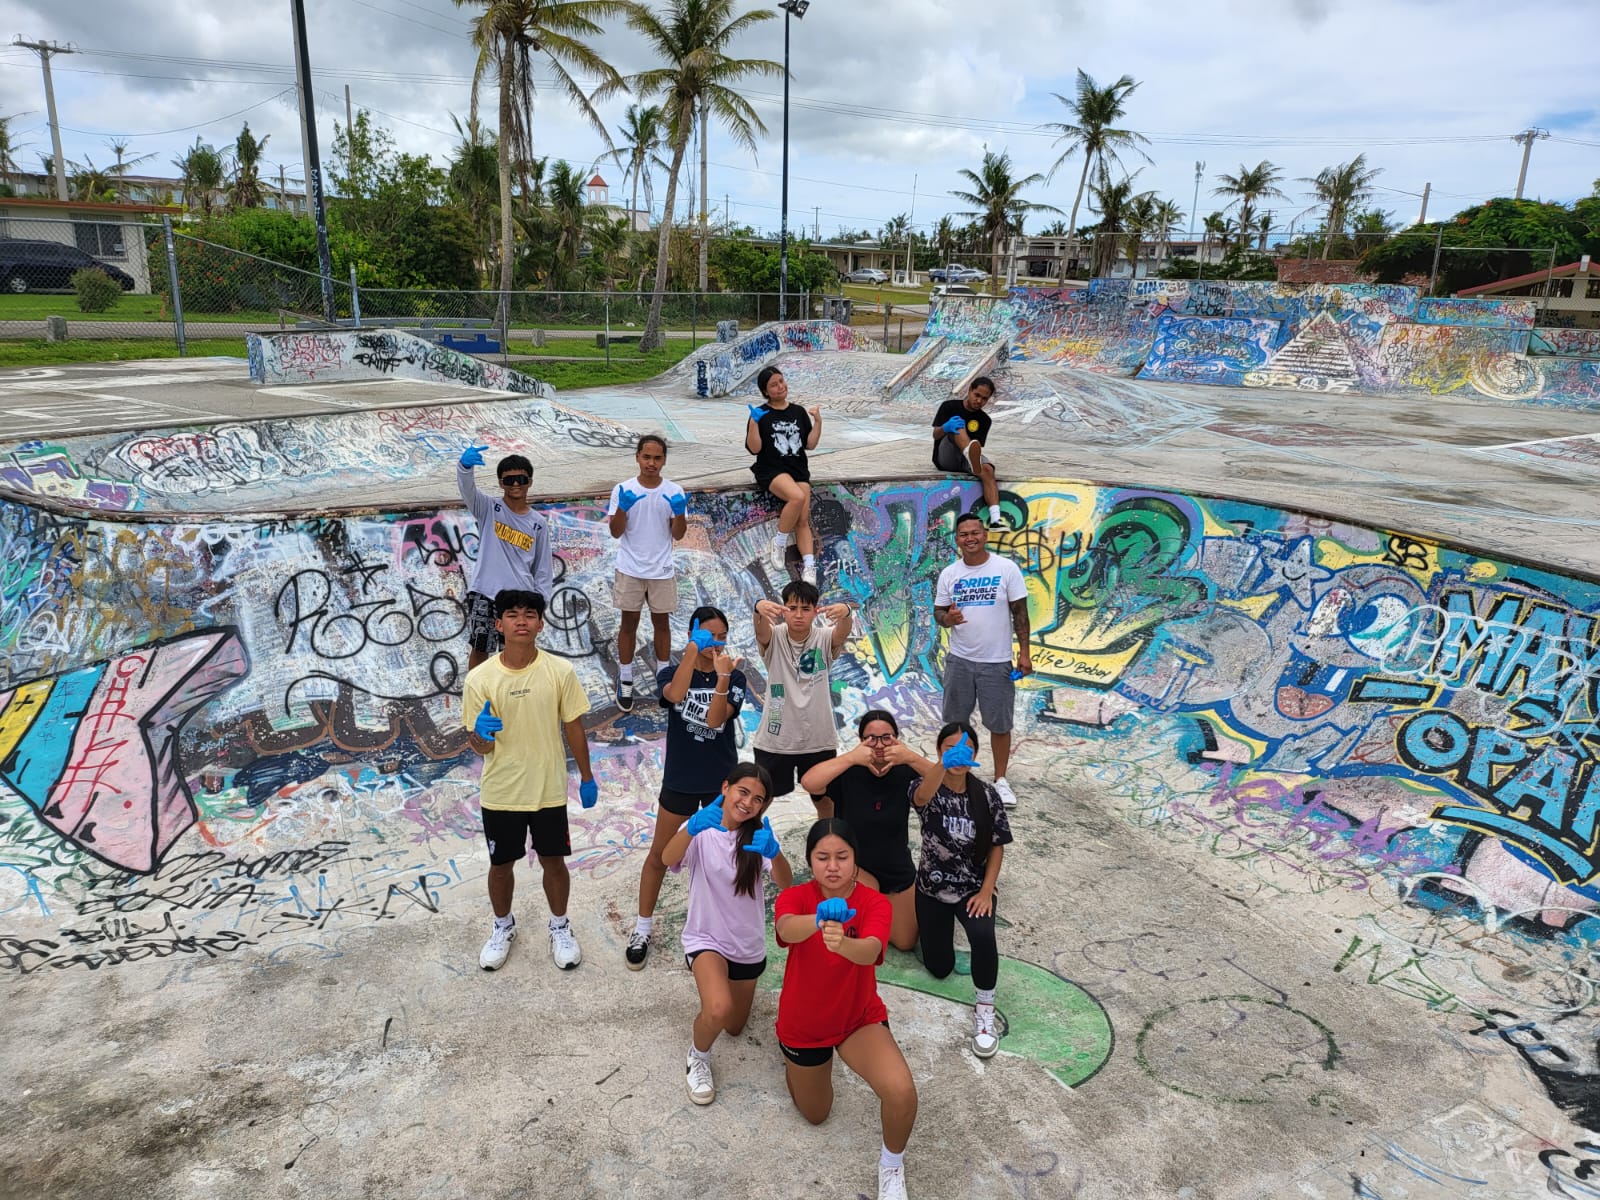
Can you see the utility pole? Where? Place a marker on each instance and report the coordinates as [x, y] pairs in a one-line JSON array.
[[1422, 217], [313, 158], [816, 223], [350, 132], [1194, 211], [911, 224], [44, 50], [1527, 137], [705, 193]]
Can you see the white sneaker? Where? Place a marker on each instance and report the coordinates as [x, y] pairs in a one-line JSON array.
[[780, 553], [809, 574], [564, 947], [1007, 796], [986, 1034], [702, 1087], [891, 1183], [495, 951]]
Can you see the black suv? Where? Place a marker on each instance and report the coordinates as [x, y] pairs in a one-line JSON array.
[[31, 266]]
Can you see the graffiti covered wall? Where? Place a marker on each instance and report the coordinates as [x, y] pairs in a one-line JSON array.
[[337, 356], [723, 368]]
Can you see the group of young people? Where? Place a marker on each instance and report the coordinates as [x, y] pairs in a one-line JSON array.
[[523, 711]]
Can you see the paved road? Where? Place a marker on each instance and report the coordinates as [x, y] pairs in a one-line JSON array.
[[228, 329]]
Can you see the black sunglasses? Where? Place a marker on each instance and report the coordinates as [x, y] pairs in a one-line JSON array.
[[515, 480]]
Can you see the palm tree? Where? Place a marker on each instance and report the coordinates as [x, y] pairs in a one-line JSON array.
[[472, 180], [1094, 110], [1122, 211], [8, 149], [89, 182], [246, 189], [639, 153], [1342, 188], [507, 35], [896, 232], [1248, 186], [691, 39], [944, 235], [202, 173], [996, 198], [119, 147], [1165, 217], [564, 221]]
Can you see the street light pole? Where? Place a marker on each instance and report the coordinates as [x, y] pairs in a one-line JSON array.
[[1199, 168], [797, 9]]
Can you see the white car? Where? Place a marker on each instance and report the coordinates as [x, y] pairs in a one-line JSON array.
[[950, 289]]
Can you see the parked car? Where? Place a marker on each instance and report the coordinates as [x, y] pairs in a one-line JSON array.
[[950, 289], [956, 273], [867, 275], [32, 266]]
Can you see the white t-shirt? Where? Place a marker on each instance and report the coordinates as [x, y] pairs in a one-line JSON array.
[[645, 548], [983, 594]]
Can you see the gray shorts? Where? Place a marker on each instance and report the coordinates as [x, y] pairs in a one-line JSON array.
[[988, 687], [947, 456]]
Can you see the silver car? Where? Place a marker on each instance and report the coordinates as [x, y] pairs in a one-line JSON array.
[[867, 275]]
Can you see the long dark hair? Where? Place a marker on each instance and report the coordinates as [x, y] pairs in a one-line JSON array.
[[978, 810], [876, 714], [831, 827], [764, 377], [747, 863]]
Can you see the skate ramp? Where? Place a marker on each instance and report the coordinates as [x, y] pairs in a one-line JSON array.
[[728, 368], [1305, 854], [350, 355]]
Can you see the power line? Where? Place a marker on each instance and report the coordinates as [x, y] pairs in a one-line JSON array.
[[181, 128]]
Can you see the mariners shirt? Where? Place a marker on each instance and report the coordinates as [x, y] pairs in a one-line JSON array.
[[513, 548]]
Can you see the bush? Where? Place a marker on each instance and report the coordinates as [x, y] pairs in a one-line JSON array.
[[97, 291]]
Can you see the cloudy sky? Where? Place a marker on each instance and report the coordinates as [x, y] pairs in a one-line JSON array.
[[891, 96]]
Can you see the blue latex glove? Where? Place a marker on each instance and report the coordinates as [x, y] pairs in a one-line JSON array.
[[1016, 675], [679, 504], [959, 755], [703, 639], [709, 817], [764, 842], [834, 909], [627, 499], [487, 725], [472, 456], [757, 411], [588, 793], [954, 425]]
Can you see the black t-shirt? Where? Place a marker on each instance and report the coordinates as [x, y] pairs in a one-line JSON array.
[[783, 441], [698, 758], [977, 423], [878, 808]]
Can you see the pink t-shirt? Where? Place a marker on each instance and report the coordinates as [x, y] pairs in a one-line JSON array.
[[720, 919]]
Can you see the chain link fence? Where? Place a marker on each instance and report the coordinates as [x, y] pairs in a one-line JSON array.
[[45, 297]]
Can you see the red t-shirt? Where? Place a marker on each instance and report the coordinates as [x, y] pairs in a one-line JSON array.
[[825, 996]]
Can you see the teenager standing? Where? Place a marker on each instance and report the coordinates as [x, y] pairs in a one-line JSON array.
[[646, 515]]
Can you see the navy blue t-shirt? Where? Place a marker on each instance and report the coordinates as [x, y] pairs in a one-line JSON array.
[[698, 757]]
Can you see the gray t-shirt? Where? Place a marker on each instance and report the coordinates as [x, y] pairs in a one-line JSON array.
[[798, 715], [513, 548]]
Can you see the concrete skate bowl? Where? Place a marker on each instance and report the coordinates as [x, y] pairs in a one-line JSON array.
[[1380, 339], [354, 355], [1308, 818]]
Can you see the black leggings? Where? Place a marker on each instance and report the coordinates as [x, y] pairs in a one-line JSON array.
[[936, 930]]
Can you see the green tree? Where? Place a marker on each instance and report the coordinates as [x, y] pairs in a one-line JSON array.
[[124, 164], [509, 35], [245, 191], [1119, 207], [690, 38], [473, 181], [1247, 187], [8, 150], [202, 173], [640, 152], [1342, 188], [85, 181], [1530, 231], [944, 237], [362, 153], [743, 266], [996, 199], [1165, 217], [1092, 129]]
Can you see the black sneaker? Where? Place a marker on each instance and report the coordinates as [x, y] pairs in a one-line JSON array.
[[638, 949], [625, 696]]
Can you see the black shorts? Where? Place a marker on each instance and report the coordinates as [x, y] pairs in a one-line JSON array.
[[482, 636], [685, 804], [786, 770], [738, 972], [811, 1056], [892, 877], [800, 474], [507, 833]]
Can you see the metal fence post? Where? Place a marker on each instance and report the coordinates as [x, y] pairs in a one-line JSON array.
[[172, 279], [505, 322], [608, 345], [355, 298], [694, 319]]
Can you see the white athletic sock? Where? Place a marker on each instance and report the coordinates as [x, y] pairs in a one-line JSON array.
[[887, 1158], [985, 996], [645, 925], [995, 519], [696, 1052], [505, 922], [558, 922], [625, 672], [808, 560]]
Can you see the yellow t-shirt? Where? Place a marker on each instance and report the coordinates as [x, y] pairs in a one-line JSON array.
[[527, 769]]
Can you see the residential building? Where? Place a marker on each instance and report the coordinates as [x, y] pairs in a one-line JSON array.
[[1569, 295], [119, 234]]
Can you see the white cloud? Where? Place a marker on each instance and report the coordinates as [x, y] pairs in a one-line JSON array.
[[1304, 84]]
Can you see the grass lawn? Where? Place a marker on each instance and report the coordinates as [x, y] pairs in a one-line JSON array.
[[585, 348], [36, 306], [866, 294], [36, 352], [627, 366]]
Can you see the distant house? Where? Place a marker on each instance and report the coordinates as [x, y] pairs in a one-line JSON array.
[[119, 234], [165, 190], [598, 195], [1569, 295]]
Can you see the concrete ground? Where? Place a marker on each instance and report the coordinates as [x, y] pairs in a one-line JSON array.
[[1199, 1001]]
